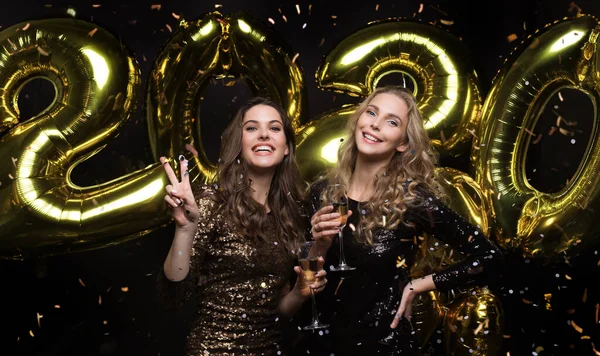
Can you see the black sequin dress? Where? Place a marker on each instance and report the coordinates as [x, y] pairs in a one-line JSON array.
[[238, 282], [359, 305]]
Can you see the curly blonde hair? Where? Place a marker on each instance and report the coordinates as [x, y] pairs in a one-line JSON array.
[[415, 167]]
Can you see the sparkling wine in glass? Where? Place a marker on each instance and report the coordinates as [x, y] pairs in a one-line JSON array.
[[311, 265], [341, 206]]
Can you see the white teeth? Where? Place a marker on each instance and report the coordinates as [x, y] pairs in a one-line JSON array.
[[263, 149], [369, 137]]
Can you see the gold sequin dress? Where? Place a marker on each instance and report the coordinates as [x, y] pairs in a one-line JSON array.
[[238, 282]]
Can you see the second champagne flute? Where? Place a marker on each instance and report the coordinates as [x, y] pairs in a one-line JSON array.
[[310, 264], [340, 206]]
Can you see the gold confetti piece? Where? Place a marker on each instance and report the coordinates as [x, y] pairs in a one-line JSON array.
[[420, 8], [568, 277], [338, 286], [377, 7], [105, 322], [400, 262], [71, 12], [92, 32], [309, 8], [56, 306], [31, 333], [322, 41], [447, 22], [595, 351], [96, 5], [41, 51], [481, 326], [156, 7], [570, 311], [538, 139], [506, 336], [585, 337], [39, 316], [530, 133], [125, 289], [271, 21], [25, 27], [81, 282], [144, 57], [552, 131], [334, 16], [218, 6], [470, 238], [298, 8], [526, 301], [512, 37], [169, 28], [177, 17], [560, 97], [584, 298], [284, 18], [99, 300], [566, 132], [576, 327]]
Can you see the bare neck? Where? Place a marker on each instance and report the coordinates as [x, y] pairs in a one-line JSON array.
[[261, 184], [362, 182]]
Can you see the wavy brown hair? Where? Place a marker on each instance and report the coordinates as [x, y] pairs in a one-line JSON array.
[[414, 167], [284, 196]]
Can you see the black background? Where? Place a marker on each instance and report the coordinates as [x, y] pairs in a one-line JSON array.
[[97, 316]]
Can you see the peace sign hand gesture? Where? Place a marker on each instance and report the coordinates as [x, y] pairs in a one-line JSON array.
[[180, 197]]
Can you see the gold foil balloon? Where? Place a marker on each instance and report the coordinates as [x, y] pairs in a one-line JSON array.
[[474, 325], [427, 315], [42, 211], [216, 46], [436, 63], [560, 55], [318, 142]]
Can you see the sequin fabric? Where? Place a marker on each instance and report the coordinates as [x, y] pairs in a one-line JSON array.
[[359, 305], [238, 283]]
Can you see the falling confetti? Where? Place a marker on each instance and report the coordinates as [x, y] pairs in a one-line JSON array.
[[295, 57], [125, 289], [81, 282], [92, 32], [25, 27], [156, 7], [39, 316]]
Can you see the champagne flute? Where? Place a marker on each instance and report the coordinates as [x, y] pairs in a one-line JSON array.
[[310, 264], [341, 206]]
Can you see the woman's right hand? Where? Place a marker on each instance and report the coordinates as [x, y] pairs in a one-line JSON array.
[[325, 225], [180, 197]]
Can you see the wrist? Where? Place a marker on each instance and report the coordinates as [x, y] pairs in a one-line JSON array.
[[188, 228]]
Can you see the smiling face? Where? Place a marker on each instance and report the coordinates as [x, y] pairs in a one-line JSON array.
[[264, 144], [381, 128]]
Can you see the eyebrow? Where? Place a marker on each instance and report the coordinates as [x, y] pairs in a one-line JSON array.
[[389, 114], [256, 122]]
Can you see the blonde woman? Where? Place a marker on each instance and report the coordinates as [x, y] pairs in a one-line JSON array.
[[386, 171]]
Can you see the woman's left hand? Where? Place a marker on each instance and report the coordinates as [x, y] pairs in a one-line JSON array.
[[317, 286], [411, 290]]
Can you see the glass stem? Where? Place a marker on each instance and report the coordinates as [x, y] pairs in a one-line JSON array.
[[315, 315], [341, 241]]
